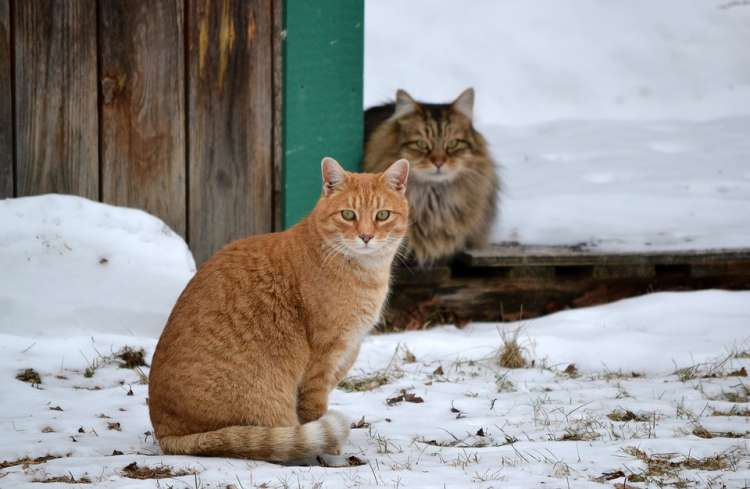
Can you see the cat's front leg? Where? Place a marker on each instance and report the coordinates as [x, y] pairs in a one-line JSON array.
[[312, 396], [346, 363]]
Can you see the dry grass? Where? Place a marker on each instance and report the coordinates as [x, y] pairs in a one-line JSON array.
[[368, 382], [584, 429], [135, 471], [625, 415], [131, 357], [665, 466], [26, 461], [30, 376], [734, 411], [741, 394], [701, 432], [404, 396], [363, 383], [511, 354], [612, 375], [409, 357], [721, 367], [64, 479], [571, 370]]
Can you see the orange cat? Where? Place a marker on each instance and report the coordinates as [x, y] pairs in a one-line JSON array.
[[271, 324]]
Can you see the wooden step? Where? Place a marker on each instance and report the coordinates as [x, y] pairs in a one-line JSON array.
[[507, 283]]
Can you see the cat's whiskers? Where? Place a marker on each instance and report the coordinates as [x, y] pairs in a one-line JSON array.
[[332, 250]]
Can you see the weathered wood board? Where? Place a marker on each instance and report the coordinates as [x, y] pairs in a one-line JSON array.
[[507, 256], [142, 80], [482, 286], [230, 122], [56, 98], [6, 104]]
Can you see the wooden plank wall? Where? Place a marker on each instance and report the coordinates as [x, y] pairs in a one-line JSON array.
[[56, 97], [230, 123], [142, 77], [6, 104], [170, 106]]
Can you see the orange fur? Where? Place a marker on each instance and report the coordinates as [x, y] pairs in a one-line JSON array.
[[271, 324]]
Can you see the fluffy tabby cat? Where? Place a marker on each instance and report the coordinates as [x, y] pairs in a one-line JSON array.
[[453, 188], [271, 324]]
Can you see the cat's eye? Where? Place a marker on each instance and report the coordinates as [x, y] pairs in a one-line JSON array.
[[455, 144], [419, 145], [382, 215], [348, 214]]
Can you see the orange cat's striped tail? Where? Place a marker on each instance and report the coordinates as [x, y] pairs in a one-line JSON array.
[[278, 444]]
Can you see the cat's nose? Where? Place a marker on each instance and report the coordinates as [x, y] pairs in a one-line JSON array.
[[365, 237], [438, 163]]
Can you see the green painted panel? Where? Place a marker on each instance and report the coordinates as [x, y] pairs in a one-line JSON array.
[[322, 114]]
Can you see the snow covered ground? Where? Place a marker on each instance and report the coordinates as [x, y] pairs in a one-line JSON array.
[[624, 185], [652, 388], [619, 126]]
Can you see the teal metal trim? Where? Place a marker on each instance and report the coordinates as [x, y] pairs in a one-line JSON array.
[[323, 63]]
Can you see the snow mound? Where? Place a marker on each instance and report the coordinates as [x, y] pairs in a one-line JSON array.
[[73, 266]]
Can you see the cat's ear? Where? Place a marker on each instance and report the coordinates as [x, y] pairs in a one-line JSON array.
[[397, 174], [333, 175], [404, 104], [464, 103]]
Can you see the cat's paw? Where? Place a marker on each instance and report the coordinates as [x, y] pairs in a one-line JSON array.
[[331, 460]]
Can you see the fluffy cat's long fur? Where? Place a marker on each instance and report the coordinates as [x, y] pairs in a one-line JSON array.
[[272, 323], [453, 187]]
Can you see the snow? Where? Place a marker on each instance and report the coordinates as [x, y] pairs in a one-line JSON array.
[[618, 126], [579, 59], [128, 265], [625, 186], [538, 425]]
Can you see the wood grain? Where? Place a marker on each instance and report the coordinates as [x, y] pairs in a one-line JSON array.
[[6, 103], [56, 97], [278, 114], [143, 111], [463, 293], [230, 132], [505, 256]]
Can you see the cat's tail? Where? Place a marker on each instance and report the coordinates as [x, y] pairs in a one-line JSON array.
[[279, 444]]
